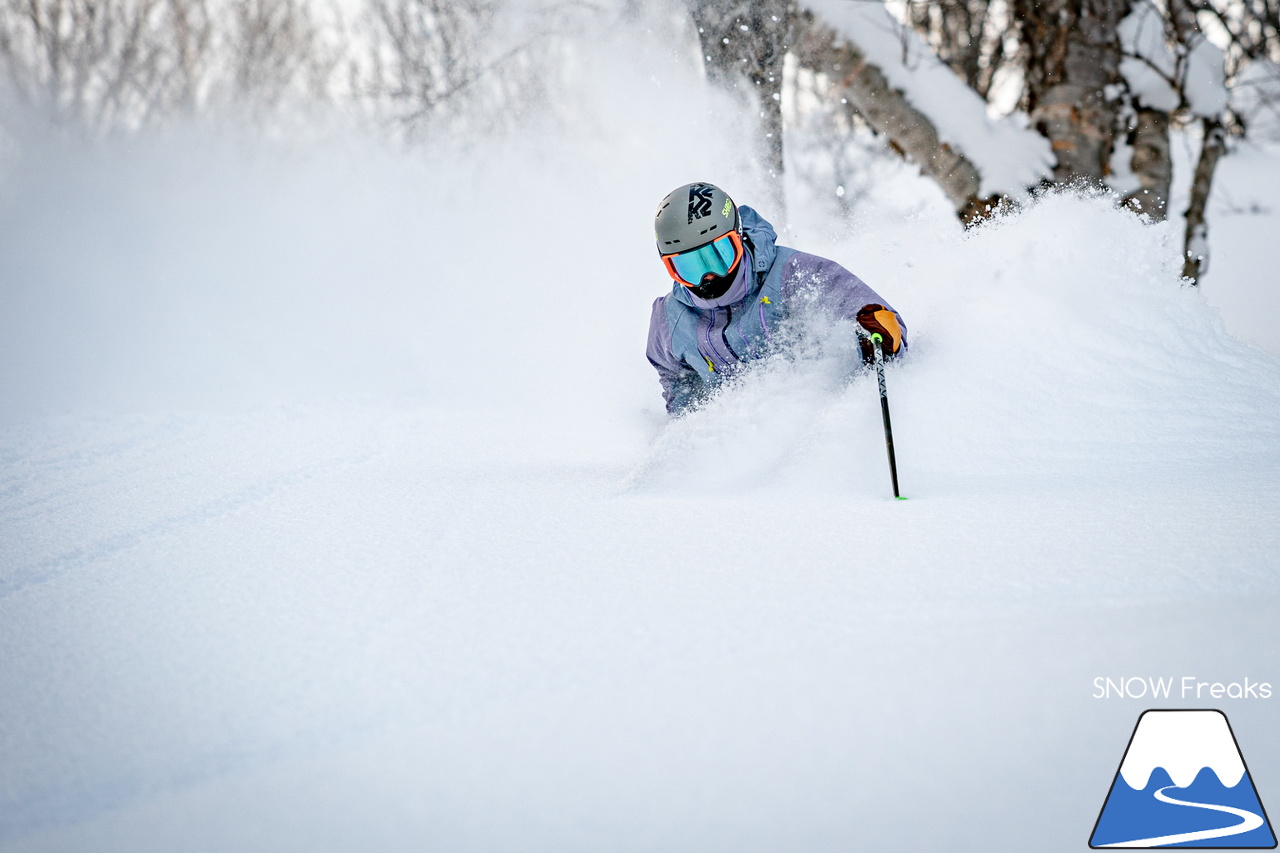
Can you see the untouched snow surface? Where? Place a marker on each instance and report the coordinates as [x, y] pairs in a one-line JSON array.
[[1243, 267], [334, 517]]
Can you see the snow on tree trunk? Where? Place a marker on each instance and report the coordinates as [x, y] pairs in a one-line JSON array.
[[1196, 261], [821, 49], [1171, 68], [929, 113], [1073, 79], [1149, 69], [1151, 163]]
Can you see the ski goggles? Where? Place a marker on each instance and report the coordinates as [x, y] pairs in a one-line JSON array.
[[716, 258]]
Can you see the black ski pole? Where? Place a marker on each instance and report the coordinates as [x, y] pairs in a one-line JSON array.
[[876, 341]]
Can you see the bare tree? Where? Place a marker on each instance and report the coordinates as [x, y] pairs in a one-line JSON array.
[[128, 63], [1196, 241], [275, 47], [91, 62], [1174, 75], [1151, 162], [744, 44], [427, 65], [438, 62], [422, 65], [1253, 27], [424, 61], [1071, 62], [1068, 55], [973, 37]]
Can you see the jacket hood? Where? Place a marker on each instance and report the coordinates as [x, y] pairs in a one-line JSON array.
[[760, 253]]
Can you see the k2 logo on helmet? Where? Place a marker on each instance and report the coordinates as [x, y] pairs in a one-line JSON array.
[[700, 201], [1183, 783]]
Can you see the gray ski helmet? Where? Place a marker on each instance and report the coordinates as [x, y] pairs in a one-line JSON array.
[[693, 216]]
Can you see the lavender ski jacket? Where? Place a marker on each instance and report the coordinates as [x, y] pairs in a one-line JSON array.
[[695, 343]]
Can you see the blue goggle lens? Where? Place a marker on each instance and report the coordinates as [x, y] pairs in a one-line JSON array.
[[715, 258]]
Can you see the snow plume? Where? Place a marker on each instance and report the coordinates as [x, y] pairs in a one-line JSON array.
[[1054, 340], [212, 270]]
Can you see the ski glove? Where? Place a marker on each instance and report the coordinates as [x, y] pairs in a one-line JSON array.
[[877, 319]]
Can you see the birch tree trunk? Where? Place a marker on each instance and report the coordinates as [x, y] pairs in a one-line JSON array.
[[1151, 163], [1073, 55], [744, 43], [1195, 262], [1196, 257]]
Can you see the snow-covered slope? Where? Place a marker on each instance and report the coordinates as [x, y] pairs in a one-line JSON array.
[[1245, 216], [334, 518]]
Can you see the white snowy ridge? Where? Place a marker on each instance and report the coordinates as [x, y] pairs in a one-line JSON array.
[[1009, 156], [1183, 743]]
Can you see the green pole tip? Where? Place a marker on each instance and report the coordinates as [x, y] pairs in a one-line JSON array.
[[900, 497], [875, 336]]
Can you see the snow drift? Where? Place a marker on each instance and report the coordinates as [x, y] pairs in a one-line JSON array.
[[337, 516]]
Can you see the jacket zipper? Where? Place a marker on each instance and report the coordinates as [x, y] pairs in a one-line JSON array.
[[711, 347], [763, 324]]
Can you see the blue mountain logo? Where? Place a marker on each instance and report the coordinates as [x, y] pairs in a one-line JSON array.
[[1183, 783]]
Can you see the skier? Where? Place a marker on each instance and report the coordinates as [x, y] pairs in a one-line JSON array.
[[731, 289]]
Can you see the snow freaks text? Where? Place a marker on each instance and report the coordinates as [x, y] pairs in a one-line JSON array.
[[1186, 687]]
